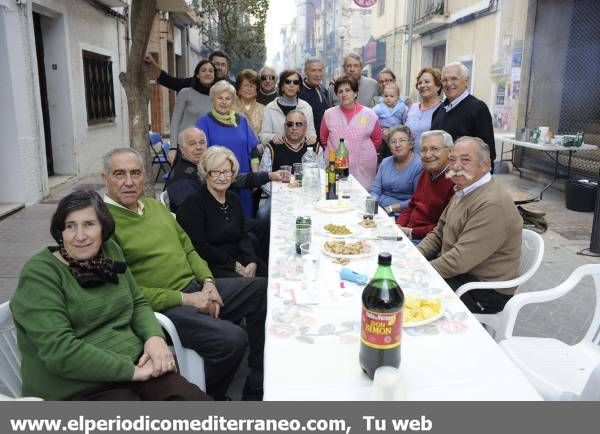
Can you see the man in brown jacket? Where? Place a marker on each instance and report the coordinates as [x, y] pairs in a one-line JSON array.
[[478, 236]]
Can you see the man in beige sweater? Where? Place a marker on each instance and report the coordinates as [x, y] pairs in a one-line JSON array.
[[478, 236]]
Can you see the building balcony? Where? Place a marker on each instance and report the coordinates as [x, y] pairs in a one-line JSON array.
[[429, 15]]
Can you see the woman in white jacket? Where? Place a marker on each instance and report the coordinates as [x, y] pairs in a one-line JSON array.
[[276, 111]]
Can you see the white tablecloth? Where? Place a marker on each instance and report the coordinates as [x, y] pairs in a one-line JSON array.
[[313, 328]]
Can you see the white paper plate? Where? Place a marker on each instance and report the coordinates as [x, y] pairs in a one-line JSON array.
[[361, 255], [425, 321], [333, 205]]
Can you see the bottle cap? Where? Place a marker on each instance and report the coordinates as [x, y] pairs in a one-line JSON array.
[[384, 258]]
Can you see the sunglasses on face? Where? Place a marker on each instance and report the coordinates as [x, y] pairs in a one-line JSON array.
[[298, 124], [288, 81], [267, 77]]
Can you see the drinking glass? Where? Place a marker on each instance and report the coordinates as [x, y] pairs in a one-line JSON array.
[[298, 173], [287, 169], [370, 206], [311, 261], [387, 385]]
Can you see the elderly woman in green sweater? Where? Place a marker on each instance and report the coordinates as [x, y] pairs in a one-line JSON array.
[[84, 330]]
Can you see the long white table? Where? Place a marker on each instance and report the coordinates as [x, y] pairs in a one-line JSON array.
[[313, 329], [552, 150]]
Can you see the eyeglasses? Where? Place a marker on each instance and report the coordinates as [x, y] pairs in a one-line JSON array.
[[267, 77], [451, 79], [227, 173], [248, 86], [288, 81], [399, 141], [434, 151], [298, 124]]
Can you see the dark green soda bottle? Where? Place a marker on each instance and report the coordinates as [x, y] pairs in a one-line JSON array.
[[381, 319]]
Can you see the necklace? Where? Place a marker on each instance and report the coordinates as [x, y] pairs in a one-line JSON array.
[[224, 208], [424, 107]]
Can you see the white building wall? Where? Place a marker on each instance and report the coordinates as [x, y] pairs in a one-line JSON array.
[[91, 30], [23, 162], [67, 29]]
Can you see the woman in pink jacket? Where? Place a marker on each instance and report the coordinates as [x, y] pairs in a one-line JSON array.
[[358, 126]]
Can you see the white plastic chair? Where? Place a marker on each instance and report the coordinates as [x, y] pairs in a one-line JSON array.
[[191, 365], [10, 358], [532, 252], [558, 371], [164, 199]]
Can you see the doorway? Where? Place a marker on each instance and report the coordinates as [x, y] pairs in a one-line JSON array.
[[39, 51]]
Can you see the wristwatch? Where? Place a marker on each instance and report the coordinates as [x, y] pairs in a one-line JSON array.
[[208, 279]]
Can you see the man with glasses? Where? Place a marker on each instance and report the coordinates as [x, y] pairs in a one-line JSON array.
[[184, 178], [177, 282], [294, 146], [433, 191], [478, 236], [268, 85], [312, 91], [461, 114], [367, 87]]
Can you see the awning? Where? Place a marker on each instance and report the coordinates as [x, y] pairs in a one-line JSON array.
[[172, 6], [161, 5], [113, 3]]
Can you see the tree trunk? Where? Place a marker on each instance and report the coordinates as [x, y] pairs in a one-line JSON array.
[[136, 84]]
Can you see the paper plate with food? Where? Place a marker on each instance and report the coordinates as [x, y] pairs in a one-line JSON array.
[[347, 249], [340, 231], [337, 205], [419, 311], [368, 223]]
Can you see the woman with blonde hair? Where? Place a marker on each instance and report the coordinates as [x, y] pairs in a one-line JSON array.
[[214, 220], [224, 127]]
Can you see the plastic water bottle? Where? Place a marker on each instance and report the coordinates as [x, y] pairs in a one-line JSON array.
[[311, 176]]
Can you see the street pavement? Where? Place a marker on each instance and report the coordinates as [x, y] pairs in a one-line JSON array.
[[27, 231]]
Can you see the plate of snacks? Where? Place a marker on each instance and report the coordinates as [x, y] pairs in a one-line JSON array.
[[338, 205], [419, 311], [347, 249], [368, 223], [339, 231]]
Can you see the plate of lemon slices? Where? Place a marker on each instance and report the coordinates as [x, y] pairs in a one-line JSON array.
[[419, 311]]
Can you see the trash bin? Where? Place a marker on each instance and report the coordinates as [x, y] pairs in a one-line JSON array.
[[580, 195]]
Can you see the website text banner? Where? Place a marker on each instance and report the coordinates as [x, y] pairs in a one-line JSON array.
[[305, 417]]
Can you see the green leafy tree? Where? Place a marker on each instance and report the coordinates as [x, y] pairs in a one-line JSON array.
[[236, 27]]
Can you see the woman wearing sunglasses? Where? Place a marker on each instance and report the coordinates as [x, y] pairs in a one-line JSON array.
[[275, 112], [267, 91]]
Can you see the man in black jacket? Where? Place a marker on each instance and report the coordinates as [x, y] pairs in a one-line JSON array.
[[184, 178], [313, 92], [461, 114]]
